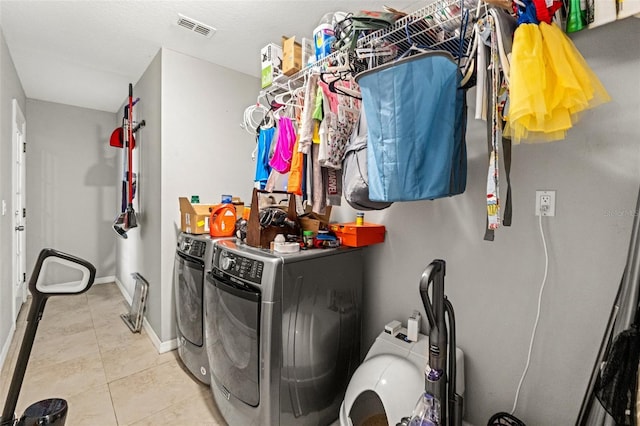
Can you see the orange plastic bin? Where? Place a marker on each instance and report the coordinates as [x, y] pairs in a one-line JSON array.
[[352, 235]]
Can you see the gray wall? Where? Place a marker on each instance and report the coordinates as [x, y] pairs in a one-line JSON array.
[[193, 144], [140, 252], [494, 285], [70, 188], [10, 88], [204, 150]]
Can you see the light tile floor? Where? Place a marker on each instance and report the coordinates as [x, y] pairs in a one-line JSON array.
[[109, 376]]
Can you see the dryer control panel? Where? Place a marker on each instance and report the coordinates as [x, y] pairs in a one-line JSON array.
[[241, 267], [192, 247]]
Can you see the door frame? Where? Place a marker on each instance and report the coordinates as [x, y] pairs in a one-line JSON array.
[[18, 183]]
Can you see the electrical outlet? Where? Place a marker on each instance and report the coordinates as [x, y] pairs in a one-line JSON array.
[[546, 203]]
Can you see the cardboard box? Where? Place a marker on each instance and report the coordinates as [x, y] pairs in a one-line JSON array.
[[314, 222], [352, 235], [194, 218], [239, 209], [291, 56], [271, 60]]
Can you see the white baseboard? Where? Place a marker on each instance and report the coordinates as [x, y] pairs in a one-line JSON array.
[[7, 345], [160, 346], [105, 280]]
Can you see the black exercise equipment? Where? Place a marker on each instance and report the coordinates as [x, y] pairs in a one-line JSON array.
[[53, 411]]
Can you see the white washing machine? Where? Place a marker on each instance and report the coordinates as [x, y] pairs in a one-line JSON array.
[[282, 332], [192, 263]]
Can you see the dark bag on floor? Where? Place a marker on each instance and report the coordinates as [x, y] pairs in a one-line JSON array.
[[504, 419], [617, 386]]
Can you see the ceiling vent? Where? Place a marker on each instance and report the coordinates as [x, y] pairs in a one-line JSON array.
[[195, 26]]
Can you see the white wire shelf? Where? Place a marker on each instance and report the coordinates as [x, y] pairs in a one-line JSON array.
[[441, 25]]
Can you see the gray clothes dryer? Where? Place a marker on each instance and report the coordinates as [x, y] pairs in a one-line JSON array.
[[192, 263], [282, 332]]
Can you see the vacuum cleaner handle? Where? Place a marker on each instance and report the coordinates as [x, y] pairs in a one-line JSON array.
[[435, 269], [436, 371], [41, 291]]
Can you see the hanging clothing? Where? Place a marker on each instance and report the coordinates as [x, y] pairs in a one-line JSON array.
[[263, 169], [550, 82], [307, 122], [283, 151], [495, 32], [319, 195], [493, 181], [343, 113], [296, 173], [325, 127], [333, 183]]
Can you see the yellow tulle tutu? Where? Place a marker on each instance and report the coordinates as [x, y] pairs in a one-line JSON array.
[[550, 84]]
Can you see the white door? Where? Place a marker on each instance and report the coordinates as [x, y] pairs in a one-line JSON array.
[[18, 209]]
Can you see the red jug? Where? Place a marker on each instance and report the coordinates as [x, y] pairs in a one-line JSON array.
[[222, 222]]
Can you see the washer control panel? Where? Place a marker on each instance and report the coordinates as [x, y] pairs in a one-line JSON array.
[[240, 266]]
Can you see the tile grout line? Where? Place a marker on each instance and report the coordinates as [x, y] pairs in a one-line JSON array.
[[100, 350]]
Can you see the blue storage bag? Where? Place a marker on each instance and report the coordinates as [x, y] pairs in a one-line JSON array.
[[416, 114]]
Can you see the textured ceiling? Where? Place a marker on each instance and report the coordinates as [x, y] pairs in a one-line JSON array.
[[85, 52]]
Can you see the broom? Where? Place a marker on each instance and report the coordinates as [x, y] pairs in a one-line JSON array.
[[131, 221]]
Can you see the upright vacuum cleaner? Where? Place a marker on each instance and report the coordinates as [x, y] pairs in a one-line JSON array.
[[439, 405], [53, 411]]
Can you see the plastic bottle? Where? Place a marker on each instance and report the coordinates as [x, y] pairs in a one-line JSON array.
[[359, 219], [426, 411], [307, 237], [323, 36], [222, 221]]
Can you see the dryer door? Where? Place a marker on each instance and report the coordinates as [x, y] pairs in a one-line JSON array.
[[232, 336]]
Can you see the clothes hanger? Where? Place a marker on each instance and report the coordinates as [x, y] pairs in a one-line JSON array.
[[344, 91], [375, 52], [338, 63]]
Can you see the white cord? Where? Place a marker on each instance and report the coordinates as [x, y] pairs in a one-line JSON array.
[[249, 124], [535, 325]]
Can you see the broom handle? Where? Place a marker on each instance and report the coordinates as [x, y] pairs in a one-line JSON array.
[[130, 145]]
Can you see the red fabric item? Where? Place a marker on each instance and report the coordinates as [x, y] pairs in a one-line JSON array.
[[544, 13]]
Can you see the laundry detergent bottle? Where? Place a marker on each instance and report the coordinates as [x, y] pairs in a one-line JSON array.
[[222, 222], [323, 36]]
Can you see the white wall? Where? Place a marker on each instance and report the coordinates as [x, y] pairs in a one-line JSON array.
[[10, 88], [494, 285], [70, 188]]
